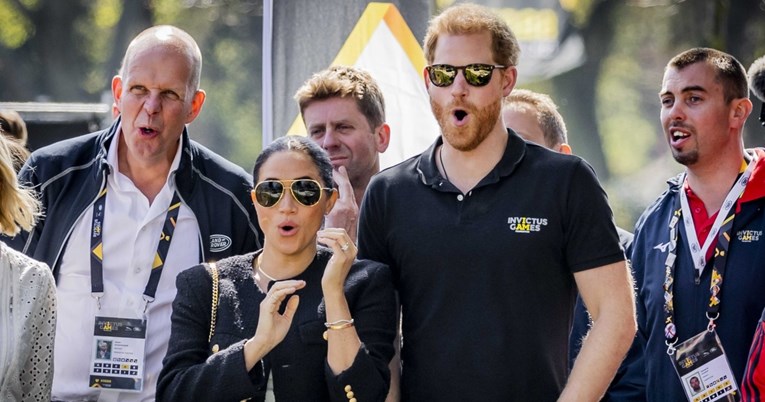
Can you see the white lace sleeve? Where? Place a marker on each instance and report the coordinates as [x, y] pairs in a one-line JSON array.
[[37, 371]]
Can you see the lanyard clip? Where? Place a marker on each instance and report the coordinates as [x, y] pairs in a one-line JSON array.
[[671, 347], [97, 296], [711, 326], [147, 300]]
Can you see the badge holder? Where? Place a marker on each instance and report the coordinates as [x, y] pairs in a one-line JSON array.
[[700, 362], [118, 355], [703, 368]]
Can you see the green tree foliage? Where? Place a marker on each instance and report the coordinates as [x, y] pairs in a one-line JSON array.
[[15, 27], [68, 51], [229, 34], [611, 102], [41, 52]]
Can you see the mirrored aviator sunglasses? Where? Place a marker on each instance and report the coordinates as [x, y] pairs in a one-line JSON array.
[[305, 191], [477, 75]]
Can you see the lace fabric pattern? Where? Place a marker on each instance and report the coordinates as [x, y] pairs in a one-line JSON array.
[[28, 318]]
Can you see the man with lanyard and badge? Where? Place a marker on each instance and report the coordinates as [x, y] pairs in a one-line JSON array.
[[696, 249], [125, 371], [126, 210]]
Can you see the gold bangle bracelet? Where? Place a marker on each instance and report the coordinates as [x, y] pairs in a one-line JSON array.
[[339, 324]]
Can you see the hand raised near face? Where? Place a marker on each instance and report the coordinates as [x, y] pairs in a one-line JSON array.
[[345, 212], [272, 325], [344, 252]]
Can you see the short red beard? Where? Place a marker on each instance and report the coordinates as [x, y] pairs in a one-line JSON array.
[[469, 137]]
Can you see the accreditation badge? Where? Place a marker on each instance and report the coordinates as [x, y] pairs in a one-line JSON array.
[[704, 370], [118, 354]]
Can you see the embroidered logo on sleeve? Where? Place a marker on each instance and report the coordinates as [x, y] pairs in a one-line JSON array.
[[748, 236], [526, 224], [219, 242], [661, 247]]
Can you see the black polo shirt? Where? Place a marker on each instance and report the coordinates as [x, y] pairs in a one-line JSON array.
[[485, 278]]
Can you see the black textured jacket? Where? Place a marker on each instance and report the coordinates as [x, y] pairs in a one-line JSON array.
[[298, 364], [69, 174]]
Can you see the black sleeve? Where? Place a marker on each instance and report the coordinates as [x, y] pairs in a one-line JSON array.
[[189, 372], [372, 228], [591, 238], [374, 314]]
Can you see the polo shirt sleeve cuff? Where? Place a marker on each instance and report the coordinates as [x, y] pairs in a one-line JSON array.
[[598, 262]]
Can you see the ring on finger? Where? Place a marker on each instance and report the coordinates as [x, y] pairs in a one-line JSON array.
[[345, 246]]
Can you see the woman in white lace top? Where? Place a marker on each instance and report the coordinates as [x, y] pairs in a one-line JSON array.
[[27, 296]]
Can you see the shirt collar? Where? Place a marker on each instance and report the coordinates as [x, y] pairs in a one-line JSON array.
[[755, 188], [514, 153]]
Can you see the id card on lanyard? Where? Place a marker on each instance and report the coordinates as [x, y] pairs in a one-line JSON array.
[[118, 358], [704, 370], [700, 362]]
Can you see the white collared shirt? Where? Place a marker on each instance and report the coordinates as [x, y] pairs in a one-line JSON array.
[[131, 234]]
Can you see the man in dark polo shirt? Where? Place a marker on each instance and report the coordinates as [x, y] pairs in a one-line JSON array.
[[535, 118], [489, 237]]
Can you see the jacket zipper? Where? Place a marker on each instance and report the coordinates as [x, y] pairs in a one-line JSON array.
[[199, 232], [71, 229]]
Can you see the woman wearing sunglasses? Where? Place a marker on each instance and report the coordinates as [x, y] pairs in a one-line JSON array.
[[302, 309]]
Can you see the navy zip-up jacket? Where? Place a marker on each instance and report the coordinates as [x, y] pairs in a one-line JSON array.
[[69, 174], [742, 297]]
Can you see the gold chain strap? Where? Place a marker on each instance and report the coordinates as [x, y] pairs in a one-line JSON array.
[[214, 313]]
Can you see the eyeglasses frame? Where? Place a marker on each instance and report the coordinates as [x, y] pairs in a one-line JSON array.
[[284, 187], [464, 73]]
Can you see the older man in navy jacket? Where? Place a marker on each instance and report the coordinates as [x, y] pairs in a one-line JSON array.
[[127, 209]]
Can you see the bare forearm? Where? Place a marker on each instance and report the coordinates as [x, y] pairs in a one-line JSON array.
[[600, 357], [254, 351], [342, 344], [607, 293]]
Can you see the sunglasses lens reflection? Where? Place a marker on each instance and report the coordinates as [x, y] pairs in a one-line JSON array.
[[268, 193], [305, 191], [442, 75], [477, 75]]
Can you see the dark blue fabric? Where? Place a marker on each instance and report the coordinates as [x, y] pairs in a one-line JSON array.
[[742, 295]]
